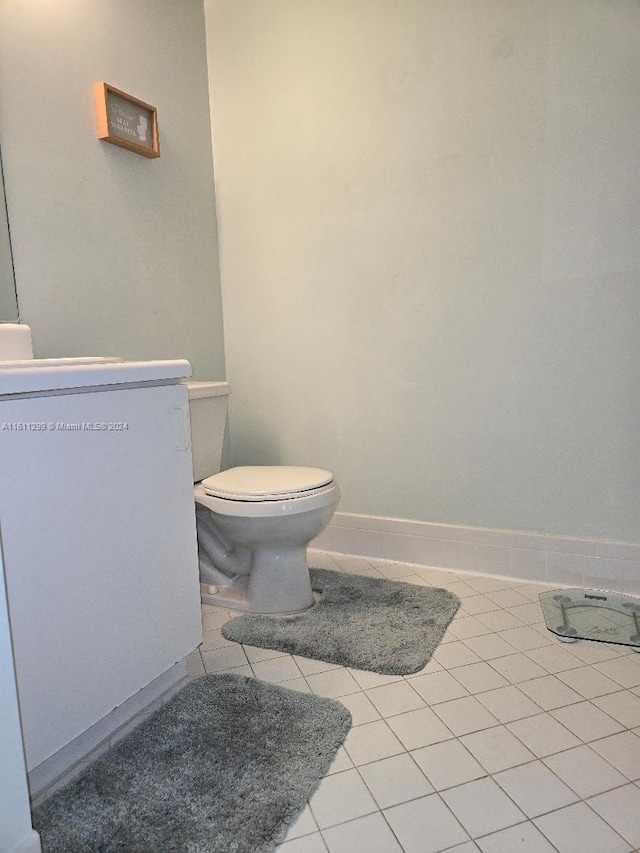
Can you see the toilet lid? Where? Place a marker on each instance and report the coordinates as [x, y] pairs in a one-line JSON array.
[[266, 482]]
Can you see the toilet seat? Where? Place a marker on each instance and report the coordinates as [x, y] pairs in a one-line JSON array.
[[261, 483], [303, 502]]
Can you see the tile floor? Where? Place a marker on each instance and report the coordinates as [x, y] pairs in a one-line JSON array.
[[507, 741]]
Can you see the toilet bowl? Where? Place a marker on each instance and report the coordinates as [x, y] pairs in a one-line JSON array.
[[254, 522]]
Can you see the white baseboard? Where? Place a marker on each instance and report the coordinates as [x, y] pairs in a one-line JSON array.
[[542, 558]]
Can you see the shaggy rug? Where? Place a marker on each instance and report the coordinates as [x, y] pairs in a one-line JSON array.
[[224, 766], [367, 623]]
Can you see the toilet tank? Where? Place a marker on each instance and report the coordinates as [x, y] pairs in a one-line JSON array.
[[208, 415]]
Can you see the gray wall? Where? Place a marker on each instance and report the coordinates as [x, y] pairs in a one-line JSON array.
[[430, 242], [115, 254]]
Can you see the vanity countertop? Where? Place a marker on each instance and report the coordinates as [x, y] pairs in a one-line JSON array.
[[51, 375]]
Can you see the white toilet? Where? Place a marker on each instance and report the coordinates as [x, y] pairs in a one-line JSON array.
[[254, 522]]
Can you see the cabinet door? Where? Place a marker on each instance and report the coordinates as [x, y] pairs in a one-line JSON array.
[[97, 508]]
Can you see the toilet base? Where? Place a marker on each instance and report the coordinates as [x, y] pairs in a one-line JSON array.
[[235, 598], [273, 535]]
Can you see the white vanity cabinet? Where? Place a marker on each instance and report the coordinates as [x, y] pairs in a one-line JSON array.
[[97, 514]]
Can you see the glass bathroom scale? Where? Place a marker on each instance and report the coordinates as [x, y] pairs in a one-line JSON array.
[[589, 614]]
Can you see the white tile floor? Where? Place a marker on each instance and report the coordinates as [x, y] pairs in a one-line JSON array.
[[507, 741]]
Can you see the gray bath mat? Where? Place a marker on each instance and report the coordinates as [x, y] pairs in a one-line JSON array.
[[225, 766], [368, 623]]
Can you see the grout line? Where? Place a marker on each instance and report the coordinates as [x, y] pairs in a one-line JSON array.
[[453, 577]]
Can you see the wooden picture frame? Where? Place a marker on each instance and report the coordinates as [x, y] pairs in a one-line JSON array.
[[126, 121]]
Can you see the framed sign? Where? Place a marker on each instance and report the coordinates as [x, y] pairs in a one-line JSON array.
[[126, 121]]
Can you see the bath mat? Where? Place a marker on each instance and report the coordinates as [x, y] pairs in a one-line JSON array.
[[367, 623], [224, 766]]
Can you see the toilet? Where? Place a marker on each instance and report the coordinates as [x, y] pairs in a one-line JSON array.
[[254, 522]]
